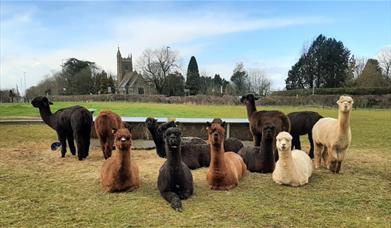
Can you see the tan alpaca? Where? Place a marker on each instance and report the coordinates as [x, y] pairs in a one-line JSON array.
[[119, 173], [332, 137], [226, 168], [293, 167]]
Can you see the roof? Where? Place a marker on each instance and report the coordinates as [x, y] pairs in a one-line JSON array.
[[130, 77]]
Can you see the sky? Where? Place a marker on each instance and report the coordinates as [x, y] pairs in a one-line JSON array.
[[36, 37]]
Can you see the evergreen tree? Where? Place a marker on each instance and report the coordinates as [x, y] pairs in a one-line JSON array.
[[174, 85], [371, 76], [193, 77], [240, 79]]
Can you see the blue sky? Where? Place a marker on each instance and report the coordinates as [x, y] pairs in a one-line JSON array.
[[37, 36]]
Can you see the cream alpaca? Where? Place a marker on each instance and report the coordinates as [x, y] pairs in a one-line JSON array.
[[332, 137], [293, 167]]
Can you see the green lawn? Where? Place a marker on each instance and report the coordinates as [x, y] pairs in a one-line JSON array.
[[38, 188]]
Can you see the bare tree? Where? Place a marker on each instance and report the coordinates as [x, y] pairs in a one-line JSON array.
[[157, 64], [259, 83], [360, 65], [384, 58]]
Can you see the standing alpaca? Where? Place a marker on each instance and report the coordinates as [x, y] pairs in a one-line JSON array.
[[70, 123], [261, 159], [175, 181], [301, 124], [258, 118], [294, 167], [119, 173], [332, 137], [105, 122], [226, 168]]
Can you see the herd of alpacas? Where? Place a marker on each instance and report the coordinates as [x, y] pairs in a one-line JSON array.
[[276, 148]]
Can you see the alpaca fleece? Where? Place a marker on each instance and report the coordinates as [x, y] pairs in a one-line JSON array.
[[261, 159], [105, 122], [175, 181], [119, 172], [293, 168], [332, 137], [301, 124], [226, 169], [73, 123]]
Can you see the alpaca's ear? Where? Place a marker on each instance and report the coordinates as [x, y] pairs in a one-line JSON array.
[[256, 98], [114, 130], [208, 124], [223, 124]]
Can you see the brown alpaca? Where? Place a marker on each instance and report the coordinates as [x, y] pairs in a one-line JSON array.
[[119, 173], [226, 168], [104, 124]]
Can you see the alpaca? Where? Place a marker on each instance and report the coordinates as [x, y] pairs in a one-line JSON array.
[[175, 181], [119, 172], [157, 132], [261, 159], [301, 124], [294, 167], [226, 168], [332, 137], [258, 118], [105, 122], [70, 123]]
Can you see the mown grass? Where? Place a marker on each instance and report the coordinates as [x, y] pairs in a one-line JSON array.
[[38, 188]]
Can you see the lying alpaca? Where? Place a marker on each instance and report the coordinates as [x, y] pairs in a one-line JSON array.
[[261, 159], [257, 120], [301, 124], [225, 169], [294, 167], [105, 122], [70, 123], [157, 132], [175, 181], [332, 137], [119, 173]]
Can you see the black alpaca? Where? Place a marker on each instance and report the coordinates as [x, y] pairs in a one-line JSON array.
[[261, 159], [70, 123], [157, 132], [257, 119], [175, 181], [301, 124]]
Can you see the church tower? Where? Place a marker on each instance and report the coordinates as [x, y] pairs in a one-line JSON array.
[[124, 66], [119, 67]]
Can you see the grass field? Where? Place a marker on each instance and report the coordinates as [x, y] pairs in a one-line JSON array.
[[38, 188]]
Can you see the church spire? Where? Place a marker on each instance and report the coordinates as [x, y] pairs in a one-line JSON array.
[[118, 52]]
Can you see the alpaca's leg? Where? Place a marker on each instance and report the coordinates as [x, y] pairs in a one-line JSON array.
[[339, 163], [173, 199], [332, 162], [296, 142], [311, 154], [109, 146], [318, 148], [103, 146], [63, 140], [71, 144]]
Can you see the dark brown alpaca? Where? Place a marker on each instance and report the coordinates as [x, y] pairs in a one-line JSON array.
[[73, 123], [226, 168], [119, 173], [105, 122], [257, 119]]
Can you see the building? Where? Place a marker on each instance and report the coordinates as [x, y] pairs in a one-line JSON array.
[[128, 80]]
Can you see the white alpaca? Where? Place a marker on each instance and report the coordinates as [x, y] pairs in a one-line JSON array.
[[293, 167], [332, 137]]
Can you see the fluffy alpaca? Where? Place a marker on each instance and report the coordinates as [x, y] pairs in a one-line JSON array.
[[119, 173], [261, 159], [226, 168], [332, 137], [175, 181], [105, 122], [70, 123], [301, 124], [157, 132], [294, 167], [258, 118]]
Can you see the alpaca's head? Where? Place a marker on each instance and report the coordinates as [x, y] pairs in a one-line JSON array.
[[216, 133], [345, 103], [284, 141], [41, 102], [248, 99], [269, 131], [122, 139], [151, 123], [173, 137]]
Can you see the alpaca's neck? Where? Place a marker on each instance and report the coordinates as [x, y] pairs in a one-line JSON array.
[[217, 161], [159, 141], [123, 158], [267, 146], [343, 122], [250, 108], [48, 117], [286, 159], [174, 157]]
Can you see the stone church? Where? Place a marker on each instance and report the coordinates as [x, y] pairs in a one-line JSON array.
[[128, 80]]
